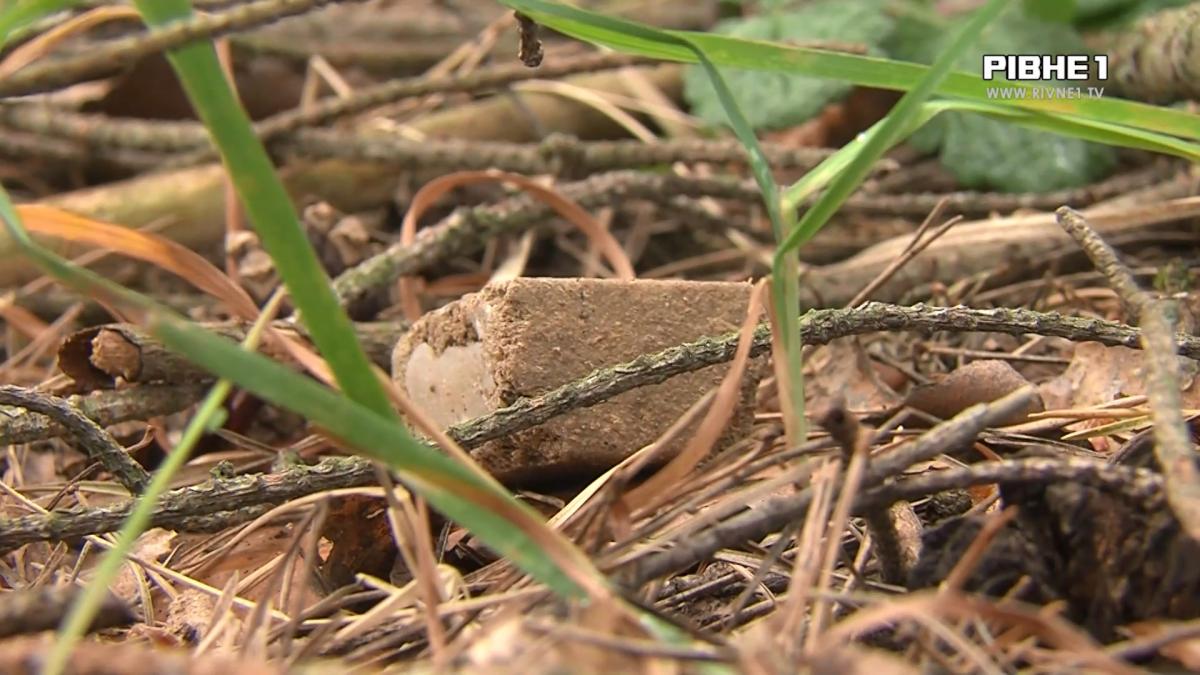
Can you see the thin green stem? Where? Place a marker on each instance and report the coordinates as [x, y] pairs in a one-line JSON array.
[[83, 612], [270, 208]]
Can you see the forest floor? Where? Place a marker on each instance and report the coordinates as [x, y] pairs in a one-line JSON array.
[[991, 394]]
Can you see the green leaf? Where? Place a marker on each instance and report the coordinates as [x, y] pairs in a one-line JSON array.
[[777, 99], [1055, 11], [988, 153], [985, 153], [868, 71]]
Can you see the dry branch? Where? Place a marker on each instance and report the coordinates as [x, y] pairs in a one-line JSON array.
[[50, 73], [1140, 487], [973, 247], [33, 610], [192, 199], [968, 248], [93, 440], [95, 357], [779, 512], [1158, 317], [105, 408]]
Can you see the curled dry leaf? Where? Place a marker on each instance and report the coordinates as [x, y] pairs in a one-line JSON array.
[[1098, 374]]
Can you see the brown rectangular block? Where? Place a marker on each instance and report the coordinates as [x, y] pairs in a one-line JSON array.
[[524, 337]]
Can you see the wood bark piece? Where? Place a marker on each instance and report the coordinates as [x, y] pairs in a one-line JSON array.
[[96, 357], [524, 337]]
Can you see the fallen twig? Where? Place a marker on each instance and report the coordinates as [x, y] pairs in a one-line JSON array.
[[1158, 318], [33, 610], [92, 438], [101, 131], [1141, 487], [816, 327], [18, 425], [972, 247], [55, 72], [778, 512], [95, 357]]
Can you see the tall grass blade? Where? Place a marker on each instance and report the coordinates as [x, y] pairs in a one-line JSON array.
[[869, 71], [25, 12], [895, 127], [269, 207]]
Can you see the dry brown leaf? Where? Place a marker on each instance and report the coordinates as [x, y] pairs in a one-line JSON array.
[[146, 246], [842, 368], [1098, 374], [152, 546], [976, 382], [247, 558]]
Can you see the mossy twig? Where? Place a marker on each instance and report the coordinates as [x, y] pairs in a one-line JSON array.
[[92, 438]]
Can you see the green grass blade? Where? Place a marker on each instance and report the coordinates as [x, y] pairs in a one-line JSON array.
[[869, 71], [83, 611], [26, 12], [1081, 127], [821, 176], [895, 127], [270, 208], [782, 221], [454, 489]]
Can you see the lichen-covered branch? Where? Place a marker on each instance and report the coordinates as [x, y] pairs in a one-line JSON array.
[[93, 440], [96, 357], [18, 425], [816, 327], [1141, 487], [178, 508], [778, 512], [172, 136]]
